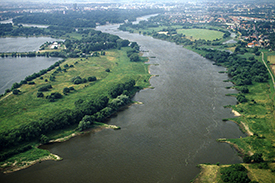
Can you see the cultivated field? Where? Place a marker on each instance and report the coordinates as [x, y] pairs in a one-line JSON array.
[[196, 34]]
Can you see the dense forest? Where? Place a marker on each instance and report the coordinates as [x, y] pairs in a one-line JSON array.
[[85, 19]]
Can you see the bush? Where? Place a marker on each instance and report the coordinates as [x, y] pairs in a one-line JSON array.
[[134, 57], [241, 98], [71, 88], [66, 90], [244, 89], [40, 94], [78, 81], [45, 88], [31, 83], [44, 139], [107, 70], [257, 158], [15, 92], [92, 78], [54, 96]]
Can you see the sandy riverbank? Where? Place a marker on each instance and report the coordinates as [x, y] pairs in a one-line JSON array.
[[16, 166]]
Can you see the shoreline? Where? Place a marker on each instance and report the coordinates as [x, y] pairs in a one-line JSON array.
[[26, 164]]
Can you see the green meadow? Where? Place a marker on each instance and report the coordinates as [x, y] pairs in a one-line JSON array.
[[196, 34], [26, 107]]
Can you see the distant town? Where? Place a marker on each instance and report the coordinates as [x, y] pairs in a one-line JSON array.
[[253, 21]]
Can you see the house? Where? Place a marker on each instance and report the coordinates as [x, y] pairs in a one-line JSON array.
[[250, 45]]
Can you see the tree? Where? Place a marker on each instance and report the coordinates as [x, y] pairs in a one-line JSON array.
[[244, 89], [44, 139], [257, 157], [108, 70], [241, 98], [134, 57]]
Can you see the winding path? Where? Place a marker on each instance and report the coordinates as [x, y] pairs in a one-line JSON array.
[[272, 77]]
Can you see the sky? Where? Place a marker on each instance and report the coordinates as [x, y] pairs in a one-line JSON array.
[[115, 1], [91, 1]]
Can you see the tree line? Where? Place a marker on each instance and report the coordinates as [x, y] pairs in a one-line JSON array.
[[97, 108], [83, 19], [243, 71]]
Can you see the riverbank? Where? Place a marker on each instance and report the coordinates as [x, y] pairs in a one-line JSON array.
[[255, 115], [10, 167], [15, 164]]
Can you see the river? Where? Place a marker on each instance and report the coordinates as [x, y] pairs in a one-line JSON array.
[[161, 140]]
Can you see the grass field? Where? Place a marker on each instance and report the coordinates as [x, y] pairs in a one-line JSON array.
[[196, 34], [16, 110], [193, 34]]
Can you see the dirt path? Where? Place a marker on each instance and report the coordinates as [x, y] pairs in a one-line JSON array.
[[270, 73], [5, 96]]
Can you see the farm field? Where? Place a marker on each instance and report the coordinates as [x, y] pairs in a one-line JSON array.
[[196, 34]]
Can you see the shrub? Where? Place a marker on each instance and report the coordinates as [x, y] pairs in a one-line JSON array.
[[44, 139], [66, 90], [92, 78], [54, 96], [84, 80], [241, 98], [107, 70], [45, 88], [31, 83], [15, 92], [78, 81], [40, 94], [71, 88], [244, 89]]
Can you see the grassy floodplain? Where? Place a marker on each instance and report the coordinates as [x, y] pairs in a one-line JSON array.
[[193, 34], [196, 34], [26, 107], [16, 110]]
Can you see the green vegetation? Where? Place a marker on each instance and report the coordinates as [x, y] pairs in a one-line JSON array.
[[28, 118], [255, 98], [205, 34]]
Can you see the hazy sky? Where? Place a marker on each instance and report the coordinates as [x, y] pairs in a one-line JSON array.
[[92, 1]]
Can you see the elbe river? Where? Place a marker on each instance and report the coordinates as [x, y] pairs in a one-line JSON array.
[[161, 140]]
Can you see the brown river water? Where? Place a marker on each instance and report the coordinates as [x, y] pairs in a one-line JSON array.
[[161, 140]]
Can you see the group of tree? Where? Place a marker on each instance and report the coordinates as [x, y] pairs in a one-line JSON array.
[[61, 54], [83, 19], [79, 80], [133, 52], [88, 120], [122, 88], [96, 41], [100, 107], [234, 173], [242, 71]]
